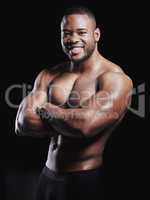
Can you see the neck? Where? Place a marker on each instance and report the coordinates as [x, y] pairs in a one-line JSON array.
[[89, 64]]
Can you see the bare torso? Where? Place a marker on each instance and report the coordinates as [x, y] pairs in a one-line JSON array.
[[69, 89]]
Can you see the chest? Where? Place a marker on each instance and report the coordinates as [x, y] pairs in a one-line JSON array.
[[70, 90]]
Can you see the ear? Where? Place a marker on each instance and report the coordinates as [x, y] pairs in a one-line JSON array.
[[97, 34]]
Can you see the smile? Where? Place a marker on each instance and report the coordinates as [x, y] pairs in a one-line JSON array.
[[74, 46], [75, 50]]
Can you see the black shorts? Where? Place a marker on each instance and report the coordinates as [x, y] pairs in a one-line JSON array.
[[85, 185]]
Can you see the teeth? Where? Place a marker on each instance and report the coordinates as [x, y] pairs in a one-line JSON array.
[[72, 47], [75, 50]]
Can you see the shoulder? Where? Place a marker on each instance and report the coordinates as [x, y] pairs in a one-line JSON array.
[[114, 77], [52, 71], [112, 72], [46, 75], [116, 83]]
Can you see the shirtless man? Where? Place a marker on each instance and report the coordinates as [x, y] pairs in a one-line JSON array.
[[77, 104]]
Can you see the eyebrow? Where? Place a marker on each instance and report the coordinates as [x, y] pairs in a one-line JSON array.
[[79, 29]]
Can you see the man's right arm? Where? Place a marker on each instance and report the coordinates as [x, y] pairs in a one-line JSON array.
[[27, 121]]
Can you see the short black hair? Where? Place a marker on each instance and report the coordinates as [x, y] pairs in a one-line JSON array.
[[79, 10]]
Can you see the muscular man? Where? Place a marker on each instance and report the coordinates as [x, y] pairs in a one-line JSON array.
[[76, 104]]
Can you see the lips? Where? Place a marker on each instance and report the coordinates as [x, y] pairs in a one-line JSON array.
[[75, 50]]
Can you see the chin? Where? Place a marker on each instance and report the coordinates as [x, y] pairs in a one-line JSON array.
[[78, 59]]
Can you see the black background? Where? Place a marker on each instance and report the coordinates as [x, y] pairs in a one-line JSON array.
[[31, 42]]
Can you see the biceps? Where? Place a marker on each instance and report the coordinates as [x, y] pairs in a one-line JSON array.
[[36, 99], [100, 100]]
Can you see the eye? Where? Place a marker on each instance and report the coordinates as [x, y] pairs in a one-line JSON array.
[[67, 33], [82, 33]]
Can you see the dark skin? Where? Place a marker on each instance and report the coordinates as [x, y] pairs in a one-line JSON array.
[[78, 104]]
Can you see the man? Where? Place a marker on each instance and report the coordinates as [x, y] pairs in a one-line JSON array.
[[77, 104]]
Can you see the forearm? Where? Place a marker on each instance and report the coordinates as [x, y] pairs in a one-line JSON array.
[[34, 128], [80, 122], [85, 126], [28, 123], [68, 122]]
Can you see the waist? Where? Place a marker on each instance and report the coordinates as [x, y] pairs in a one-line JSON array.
[[66, 174], [64, 164]]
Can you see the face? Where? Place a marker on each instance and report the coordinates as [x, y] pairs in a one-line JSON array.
[[79, 36]]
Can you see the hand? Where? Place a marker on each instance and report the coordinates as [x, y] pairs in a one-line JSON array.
[[44, 114]]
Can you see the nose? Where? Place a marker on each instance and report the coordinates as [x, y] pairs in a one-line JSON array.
[[74, 38]]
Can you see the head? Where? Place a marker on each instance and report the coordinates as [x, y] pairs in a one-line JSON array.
[[79, 34]]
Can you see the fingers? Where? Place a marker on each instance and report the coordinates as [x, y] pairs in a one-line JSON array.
[[44, 114]]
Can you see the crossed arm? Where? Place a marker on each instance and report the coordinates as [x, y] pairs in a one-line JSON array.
[[101, 110], [27, 121], [38, 117]]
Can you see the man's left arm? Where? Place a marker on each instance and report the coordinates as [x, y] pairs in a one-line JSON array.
[[100, 111]]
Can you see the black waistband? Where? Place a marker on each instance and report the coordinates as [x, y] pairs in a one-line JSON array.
[[62, 175]]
